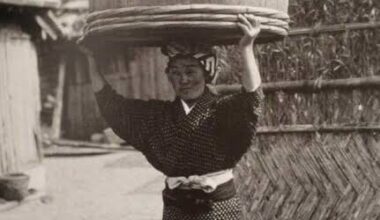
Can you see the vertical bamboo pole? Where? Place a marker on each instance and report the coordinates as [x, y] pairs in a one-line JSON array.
[[57, 114]]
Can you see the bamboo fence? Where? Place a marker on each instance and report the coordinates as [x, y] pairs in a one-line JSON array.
[[318, 144]]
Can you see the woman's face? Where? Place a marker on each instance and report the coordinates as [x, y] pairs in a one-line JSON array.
[[187, 77]]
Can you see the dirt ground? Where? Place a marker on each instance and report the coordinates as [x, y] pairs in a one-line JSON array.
[[118, 186]]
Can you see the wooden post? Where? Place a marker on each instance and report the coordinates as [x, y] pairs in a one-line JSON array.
[[19, 101], [57, 115], [334, 28], [307, 128], [308, 85]]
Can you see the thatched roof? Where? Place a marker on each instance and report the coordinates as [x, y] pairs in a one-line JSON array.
[[33, 3]]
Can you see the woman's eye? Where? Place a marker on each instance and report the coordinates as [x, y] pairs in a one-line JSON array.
[[190, 73], [175, 73]]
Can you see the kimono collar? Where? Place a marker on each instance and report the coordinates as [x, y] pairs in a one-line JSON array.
[[203, 101], [186, 107]]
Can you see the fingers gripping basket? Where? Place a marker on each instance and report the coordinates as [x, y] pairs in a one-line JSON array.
[[153, 22]]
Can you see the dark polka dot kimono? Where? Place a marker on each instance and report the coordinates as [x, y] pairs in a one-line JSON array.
[[212, 137]]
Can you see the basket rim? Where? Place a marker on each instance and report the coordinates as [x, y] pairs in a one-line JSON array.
[[186, 9]]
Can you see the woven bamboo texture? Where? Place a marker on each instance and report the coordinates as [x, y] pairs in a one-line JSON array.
[[312, 176], [98, 5], [314, 172], [317, 173], [155, 25]]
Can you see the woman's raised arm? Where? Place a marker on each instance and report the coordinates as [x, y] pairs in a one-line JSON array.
[[251, 78], [97, 79]]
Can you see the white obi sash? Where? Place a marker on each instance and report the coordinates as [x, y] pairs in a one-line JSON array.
[[208, 182]]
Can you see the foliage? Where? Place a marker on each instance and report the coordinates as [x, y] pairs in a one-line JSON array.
[[331, 56]]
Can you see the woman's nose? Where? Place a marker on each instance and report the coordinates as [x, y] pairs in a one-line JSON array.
[[184, 79]]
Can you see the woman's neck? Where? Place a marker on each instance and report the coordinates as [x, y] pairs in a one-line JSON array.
[[191, 102]]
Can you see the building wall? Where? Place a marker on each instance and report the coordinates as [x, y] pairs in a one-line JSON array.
[[19, 100], [134, 73]]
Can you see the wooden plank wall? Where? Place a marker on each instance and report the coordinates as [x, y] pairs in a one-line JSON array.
[[134, 73], [19, 100]]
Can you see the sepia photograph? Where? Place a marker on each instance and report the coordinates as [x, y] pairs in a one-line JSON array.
[[189, 110]]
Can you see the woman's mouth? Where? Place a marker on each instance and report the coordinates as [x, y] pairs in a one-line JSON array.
[[185, 88]]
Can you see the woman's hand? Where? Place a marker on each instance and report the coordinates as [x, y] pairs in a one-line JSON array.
[[251, 78], [251, 28]]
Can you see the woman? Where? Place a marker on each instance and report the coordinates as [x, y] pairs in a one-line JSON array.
[[197, 139]]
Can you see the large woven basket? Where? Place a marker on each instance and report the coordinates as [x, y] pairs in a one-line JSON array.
[[153, 22]]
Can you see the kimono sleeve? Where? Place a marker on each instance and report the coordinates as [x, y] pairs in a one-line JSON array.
[[128, 118], [237, 117]]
